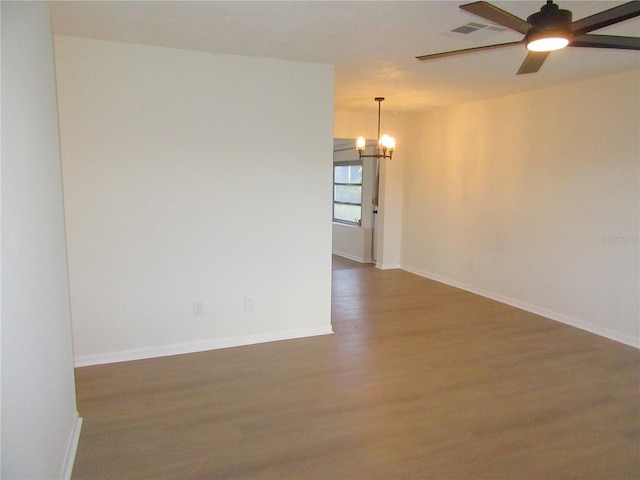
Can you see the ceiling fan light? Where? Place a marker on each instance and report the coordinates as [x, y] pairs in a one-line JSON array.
[[548, 40], [548, 44]]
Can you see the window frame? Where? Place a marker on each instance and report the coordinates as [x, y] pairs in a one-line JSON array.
[[346, 163]]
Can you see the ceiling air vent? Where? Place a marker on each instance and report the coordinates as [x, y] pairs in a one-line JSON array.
[[474, 31]]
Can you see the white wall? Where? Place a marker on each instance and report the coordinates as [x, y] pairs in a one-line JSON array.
[[191, 177], [389, 230], [40, 425], [351, 241], [541, 190]]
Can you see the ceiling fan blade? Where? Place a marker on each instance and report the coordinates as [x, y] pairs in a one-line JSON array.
[[497, 15], [533, 62], [606, 41], [468, 50], [605, 18]]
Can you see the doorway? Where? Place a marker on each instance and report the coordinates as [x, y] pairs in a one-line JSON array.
[[356, 240]]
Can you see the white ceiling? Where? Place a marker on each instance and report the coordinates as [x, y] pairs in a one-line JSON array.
[[372, 44]]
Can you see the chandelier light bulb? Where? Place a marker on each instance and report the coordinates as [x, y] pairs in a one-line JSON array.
[[387, 142], [360, 144]]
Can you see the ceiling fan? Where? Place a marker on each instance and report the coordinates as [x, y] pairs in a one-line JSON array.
[[551, 29]]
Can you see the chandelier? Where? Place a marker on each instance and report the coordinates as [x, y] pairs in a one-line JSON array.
[[386, 143]]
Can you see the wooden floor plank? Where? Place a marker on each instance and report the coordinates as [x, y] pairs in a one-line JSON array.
[[420, 380]]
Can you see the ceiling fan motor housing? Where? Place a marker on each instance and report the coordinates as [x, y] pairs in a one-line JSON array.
[[550, 16]]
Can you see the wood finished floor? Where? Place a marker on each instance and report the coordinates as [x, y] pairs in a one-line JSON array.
[[420, 380]]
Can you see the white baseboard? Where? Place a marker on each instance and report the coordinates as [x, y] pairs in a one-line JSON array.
[[198, 346], [388, 266], [352, 257], [544, 312], [72, 448]]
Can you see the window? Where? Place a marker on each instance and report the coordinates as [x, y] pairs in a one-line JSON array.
[[347, 192]]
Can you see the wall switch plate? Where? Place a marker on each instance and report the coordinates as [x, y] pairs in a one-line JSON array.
[[473, 265]]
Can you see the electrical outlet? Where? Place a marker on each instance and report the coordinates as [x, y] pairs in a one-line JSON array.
[[473, 265], [198, 309]]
